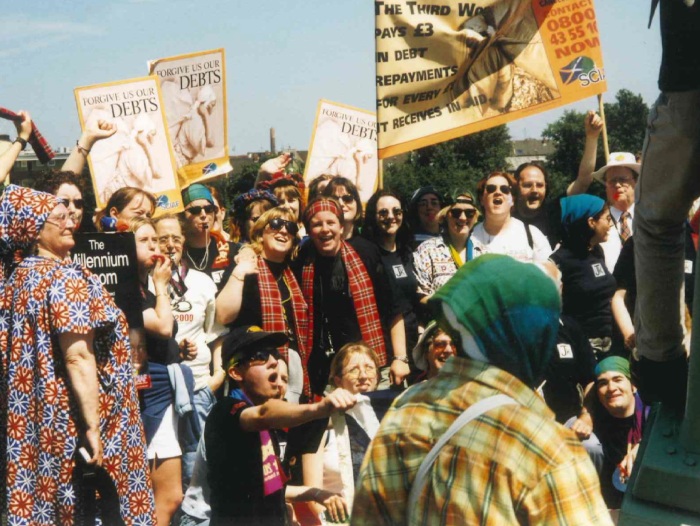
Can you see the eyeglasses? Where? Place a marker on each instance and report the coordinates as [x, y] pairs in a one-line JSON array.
[[261, 357], [174, 240], [622, 181], [278, 223], [346, 198], [491, 188], [354, 373], [77, 203], [196, 210], [456, 213], [60, 221], [423, 203], [384, 212], [441, 345]]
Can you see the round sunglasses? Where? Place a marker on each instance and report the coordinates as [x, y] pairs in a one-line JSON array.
[[384, 212]]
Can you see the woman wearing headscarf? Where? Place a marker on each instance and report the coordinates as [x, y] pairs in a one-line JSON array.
[[587, 285], [67, 378]]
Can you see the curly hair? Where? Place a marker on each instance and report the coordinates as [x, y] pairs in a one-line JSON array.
[[51, 180]]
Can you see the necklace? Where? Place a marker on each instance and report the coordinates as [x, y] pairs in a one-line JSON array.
[[203, 262]]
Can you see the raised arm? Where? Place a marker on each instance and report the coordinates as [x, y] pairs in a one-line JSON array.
[[76, 160], [593, 125], [159, 320], [7, 160], [229, 300]]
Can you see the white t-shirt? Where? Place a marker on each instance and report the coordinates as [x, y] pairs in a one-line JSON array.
[[512, 241], [198, 322]]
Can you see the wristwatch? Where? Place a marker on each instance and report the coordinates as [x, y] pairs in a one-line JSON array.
[[22, 142], [403, 359]]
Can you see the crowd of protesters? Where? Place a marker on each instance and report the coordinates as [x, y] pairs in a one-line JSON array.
[[274, 336]]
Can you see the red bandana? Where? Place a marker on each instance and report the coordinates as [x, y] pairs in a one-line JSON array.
[[322, 205], [362, 293], [273, 319]]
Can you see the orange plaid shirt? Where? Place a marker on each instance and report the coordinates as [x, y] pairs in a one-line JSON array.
[[513, 465]]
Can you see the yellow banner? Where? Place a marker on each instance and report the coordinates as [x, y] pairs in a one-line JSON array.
[[194, 89], [139, 154], [453, 68], [344, 143]]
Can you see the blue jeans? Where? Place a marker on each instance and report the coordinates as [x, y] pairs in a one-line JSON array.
[[668, 184], [203, 402]]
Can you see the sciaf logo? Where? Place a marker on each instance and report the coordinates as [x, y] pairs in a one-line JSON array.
[[164, 203], [582, 69]]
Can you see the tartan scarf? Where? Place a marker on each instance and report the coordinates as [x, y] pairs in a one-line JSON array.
[[362, 293], [40, 145], [273, 312]]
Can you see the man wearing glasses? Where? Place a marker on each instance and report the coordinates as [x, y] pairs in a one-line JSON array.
[[247, 481]]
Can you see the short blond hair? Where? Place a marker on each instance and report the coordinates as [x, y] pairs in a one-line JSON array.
[[256, 231]]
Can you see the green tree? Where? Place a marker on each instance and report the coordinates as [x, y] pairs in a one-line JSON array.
[[452, 165], [626, 126]]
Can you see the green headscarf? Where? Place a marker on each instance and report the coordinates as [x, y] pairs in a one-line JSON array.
[[505, 313], [614, 363]]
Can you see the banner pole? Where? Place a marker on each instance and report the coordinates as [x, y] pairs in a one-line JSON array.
[[380, 175], [601, 111]]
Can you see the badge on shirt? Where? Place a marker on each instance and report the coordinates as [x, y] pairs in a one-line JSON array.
[[688, 266], [598, 270], [565, 351], [399, 271]]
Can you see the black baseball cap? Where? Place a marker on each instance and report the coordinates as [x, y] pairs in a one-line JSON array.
[[245, 341]]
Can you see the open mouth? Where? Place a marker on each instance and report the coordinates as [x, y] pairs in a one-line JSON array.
[[498, 201]]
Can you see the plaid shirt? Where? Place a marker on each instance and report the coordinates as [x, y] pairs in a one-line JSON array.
[[512, 465]]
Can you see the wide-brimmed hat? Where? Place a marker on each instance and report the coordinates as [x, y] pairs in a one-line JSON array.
[[420, 351], [624, 159]]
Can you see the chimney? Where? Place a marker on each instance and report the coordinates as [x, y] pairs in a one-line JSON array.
[[273, 149]]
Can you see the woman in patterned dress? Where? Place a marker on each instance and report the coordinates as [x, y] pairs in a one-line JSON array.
[[67, 378]]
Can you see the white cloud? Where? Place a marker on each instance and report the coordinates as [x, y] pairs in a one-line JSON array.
[[20, 33]]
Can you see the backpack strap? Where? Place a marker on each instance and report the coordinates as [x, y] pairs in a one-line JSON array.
[[528, 232], [472, 412]]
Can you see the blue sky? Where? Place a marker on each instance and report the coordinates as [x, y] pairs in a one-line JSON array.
[[282, 57]]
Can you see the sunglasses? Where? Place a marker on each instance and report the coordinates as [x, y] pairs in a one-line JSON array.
[[77, 203], [456, 213], [278, 223], [347, 198], [196, 210], [384, 212], [261, 357], [491, 188], [441, 345]]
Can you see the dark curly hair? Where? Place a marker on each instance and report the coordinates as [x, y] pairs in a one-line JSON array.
[[51, 180]]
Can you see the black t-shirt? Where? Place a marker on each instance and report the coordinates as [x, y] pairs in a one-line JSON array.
[[195, 258], [404, 288], [159, 350], [570, 371], [234, 470], [547, 221], [588, 288], [251, 310]]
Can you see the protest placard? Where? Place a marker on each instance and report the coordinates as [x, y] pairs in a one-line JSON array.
[[194, 90], [452, 68], [139, 154], [344, 143], [112, 258]]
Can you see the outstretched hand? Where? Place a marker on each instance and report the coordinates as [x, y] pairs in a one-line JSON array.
[[24, 127]]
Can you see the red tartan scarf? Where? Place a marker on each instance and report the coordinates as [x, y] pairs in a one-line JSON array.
[[222, 246], [362, 293], [40, 145], [273, 312]]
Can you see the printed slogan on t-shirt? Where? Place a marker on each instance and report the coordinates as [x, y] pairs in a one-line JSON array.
[[453, 68], [194, 90]]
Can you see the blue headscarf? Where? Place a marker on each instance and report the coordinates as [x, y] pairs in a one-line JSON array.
[[575, 211]]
